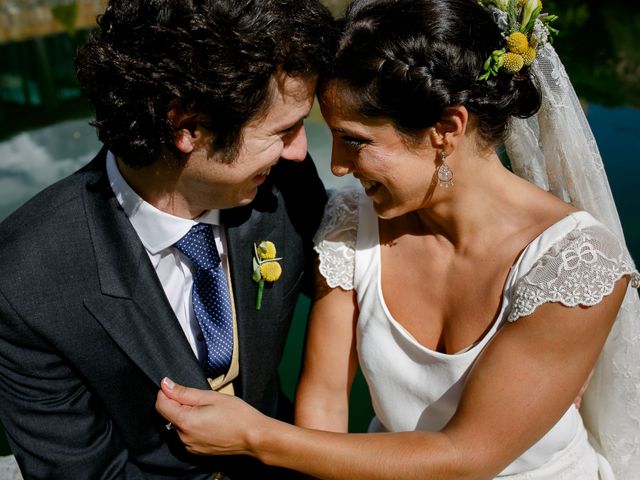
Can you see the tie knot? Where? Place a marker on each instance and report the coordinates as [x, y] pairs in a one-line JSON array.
[[199, 245]]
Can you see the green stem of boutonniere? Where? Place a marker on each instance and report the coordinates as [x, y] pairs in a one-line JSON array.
[[259, 297]]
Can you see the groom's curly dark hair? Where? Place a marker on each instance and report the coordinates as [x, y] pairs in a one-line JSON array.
[[210, 57]]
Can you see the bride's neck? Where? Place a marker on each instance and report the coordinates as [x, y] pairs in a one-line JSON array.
[[481, 203]]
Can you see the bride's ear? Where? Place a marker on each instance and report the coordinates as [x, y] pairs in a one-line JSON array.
[[450, 129]]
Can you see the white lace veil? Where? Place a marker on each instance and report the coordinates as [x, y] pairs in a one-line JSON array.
[[556, 150]]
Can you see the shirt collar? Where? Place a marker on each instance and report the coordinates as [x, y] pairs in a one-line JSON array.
[[157, 229]]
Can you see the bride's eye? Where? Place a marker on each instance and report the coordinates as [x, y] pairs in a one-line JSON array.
[[353, 142]]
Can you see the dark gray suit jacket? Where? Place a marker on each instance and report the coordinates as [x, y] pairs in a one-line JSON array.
[[86, 332]]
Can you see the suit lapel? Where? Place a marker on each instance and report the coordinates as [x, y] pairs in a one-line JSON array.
[[132, 306], [245, 226]]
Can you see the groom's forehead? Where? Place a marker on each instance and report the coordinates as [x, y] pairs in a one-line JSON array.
[[288, 102]]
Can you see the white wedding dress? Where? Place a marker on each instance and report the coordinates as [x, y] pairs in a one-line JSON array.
[[575, 261]]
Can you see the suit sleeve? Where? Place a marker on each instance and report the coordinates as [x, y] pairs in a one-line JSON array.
[[55, 428]]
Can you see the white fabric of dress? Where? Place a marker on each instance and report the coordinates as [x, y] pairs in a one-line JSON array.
[[575, 261]]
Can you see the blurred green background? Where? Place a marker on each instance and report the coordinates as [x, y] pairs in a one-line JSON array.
[[44, 133]]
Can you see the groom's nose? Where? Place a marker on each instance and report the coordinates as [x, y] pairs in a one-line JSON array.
[[295, 145]]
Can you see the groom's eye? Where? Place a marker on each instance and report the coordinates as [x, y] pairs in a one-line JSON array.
[[292, 128]]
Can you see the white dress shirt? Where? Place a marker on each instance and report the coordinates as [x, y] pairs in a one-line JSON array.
[[158, 231]]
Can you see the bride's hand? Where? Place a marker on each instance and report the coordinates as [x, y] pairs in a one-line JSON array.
[[209, 423]]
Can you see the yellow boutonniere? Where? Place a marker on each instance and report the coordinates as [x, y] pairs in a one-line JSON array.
[[265, 267]]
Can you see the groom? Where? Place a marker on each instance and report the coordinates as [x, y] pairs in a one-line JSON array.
[[139, 266]]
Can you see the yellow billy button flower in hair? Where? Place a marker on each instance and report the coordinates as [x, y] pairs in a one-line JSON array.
[[513, 62], [265, 267], [529, 56], [517, 42]]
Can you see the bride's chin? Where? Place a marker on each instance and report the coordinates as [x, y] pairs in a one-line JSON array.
[[385, 211]]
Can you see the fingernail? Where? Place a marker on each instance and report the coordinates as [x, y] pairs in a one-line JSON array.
[[168, 383]]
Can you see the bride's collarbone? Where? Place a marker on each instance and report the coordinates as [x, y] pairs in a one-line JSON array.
[[412, 263]]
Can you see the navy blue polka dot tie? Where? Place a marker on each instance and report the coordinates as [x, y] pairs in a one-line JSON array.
[[210, 297]]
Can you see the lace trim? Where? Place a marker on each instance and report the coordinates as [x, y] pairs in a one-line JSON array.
[[335, 240], [580, 269]]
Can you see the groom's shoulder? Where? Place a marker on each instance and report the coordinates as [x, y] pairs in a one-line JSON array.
[[47, 214]]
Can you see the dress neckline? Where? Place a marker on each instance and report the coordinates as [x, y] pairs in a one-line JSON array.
[[499, 319]]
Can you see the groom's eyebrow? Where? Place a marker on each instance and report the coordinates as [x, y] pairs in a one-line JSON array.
[[294, 124]]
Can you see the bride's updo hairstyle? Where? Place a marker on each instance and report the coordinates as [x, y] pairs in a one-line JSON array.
[[408, 60]]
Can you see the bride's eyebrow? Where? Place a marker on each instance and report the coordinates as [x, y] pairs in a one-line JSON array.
[[348, 133], [344, 131]]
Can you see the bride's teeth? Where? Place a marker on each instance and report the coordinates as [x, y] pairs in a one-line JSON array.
[[367, 184]]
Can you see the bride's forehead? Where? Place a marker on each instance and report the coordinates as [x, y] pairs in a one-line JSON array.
[[338, 99]]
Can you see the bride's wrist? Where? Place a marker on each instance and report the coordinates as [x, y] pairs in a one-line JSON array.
[[258, 438], [266, 440]]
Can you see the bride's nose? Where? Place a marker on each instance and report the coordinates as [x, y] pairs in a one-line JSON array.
[[340, 165]]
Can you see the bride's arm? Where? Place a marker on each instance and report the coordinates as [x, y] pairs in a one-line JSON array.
[[330, 360], [520, 386]]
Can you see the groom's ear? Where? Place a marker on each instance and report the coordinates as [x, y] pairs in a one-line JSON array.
[[186, 129], [450, 129]]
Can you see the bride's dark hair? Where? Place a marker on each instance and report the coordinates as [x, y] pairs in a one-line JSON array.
[[407, 60]]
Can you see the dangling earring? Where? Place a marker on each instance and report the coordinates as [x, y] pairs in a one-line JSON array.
[[444, 172]]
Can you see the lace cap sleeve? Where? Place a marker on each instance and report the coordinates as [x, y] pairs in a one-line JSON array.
[[335, 240], [580, 269]]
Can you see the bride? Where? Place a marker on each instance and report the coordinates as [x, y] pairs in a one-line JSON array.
[[476, 303]]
